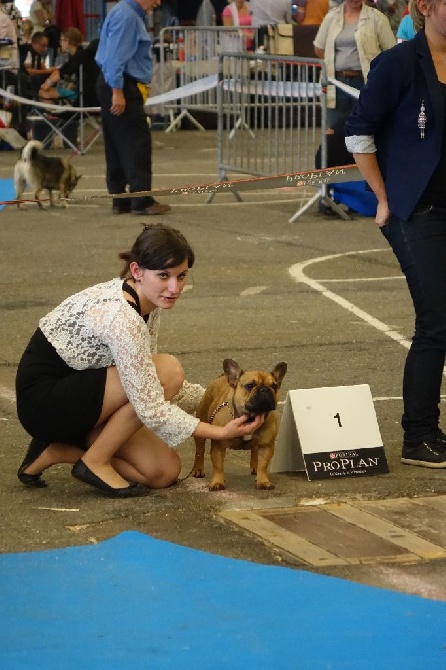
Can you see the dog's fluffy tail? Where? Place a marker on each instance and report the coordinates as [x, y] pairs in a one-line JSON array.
[[31, 150]]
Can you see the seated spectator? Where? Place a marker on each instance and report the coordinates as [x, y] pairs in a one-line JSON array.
[[9, 52], [8, 7], [42, 15], [238, 13], [8, 33], [71, 43], [35, 62]]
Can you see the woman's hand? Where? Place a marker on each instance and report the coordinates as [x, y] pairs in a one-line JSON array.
[[235, 428], [382, 213], [241, 426]]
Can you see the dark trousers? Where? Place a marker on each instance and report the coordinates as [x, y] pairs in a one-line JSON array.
[[420, 247], [128, 145], [344, 101]]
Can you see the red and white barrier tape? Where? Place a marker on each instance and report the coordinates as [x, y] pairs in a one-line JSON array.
[[313, 178]]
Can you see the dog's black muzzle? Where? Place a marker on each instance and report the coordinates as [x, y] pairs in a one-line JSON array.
[[262, 401]]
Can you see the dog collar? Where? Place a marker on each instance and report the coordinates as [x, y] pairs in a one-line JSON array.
[[217, 409]]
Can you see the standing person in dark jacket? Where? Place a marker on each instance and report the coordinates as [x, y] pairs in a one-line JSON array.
[[124, 56], [397, 135]]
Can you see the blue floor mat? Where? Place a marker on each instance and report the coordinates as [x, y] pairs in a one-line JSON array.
[[134, 602], [6, 191]]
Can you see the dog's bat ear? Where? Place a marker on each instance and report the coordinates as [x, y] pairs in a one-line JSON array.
[[232, 371], [279, 372]]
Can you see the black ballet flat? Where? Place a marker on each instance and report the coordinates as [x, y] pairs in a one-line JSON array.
[[84, 474], [36, 447]]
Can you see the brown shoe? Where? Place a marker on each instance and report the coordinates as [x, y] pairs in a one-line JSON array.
[[152, 210], [121, 210]]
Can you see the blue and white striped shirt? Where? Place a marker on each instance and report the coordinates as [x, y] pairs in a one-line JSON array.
[[124, 45]]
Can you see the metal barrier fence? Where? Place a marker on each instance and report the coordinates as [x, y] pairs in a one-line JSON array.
[[271, 117], [187, 54]]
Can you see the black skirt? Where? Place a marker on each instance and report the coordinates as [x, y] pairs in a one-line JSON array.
[[54, 402]]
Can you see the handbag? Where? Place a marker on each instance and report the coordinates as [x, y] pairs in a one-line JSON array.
[[67, 90], [281, 39]]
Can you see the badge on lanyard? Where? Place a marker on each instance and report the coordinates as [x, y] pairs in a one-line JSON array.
[[422, 118]]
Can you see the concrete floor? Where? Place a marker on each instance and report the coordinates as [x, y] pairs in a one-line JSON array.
[[254, 299]]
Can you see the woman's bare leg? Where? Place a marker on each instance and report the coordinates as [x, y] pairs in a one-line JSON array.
[[142, 456], [53, 454], [120, 433], [146, 459]]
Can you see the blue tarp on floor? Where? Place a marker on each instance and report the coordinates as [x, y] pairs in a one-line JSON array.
[[134, 602]]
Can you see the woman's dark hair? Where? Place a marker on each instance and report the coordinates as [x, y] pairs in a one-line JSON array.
[[158, 247]]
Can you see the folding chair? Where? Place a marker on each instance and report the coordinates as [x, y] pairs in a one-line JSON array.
[[54, 124], [69, 122]]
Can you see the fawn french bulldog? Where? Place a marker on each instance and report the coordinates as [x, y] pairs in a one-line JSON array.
[[233, 394]]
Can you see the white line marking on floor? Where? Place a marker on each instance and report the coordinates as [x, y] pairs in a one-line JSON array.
[[359, 279], [253, 290], [395, 397], [298, 274]]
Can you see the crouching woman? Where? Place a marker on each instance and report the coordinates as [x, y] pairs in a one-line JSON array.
[[93, 392]]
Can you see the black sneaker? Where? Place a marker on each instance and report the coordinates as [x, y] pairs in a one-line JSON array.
[[431, 453]]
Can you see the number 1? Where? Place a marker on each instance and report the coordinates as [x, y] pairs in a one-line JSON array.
[[338, 417]]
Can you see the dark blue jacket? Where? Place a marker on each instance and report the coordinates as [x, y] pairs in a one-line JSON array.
[[388, 108]]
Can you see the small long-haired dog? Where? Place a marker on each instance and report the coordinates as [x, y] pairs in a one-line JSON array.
[[43, 172]]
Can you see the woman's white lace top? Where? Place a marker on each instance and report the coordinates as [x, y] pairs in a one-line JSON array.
[[97, 328]]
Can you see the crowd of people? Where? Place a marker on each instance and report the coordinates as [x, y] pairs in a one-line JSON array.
[[351, 33]]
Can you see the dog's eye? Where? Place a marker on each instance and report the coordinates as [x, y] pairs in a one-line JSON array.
[[249, 386], [274, 387]]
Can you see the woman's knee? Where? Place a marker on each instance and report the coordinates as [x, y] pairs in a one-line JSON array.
[[169, 471], [170, 373]]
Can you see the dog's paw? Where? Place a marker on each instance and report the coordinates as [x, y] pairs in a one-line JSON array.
[[198, 473], [264, 486], [216, 486]]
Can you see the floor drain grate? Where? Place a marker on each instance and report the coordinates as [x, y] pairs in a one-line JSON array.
[[402, 530]]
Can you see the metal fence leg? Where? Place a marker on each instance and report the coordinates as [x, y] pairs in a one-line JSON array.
[[173, 125], [303, 209], [328, 200]]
